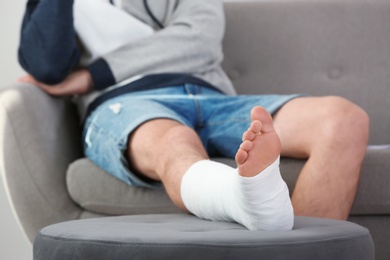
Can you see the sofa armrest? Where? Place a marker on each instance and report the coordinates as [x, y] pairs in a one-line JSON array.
[[39, 138]]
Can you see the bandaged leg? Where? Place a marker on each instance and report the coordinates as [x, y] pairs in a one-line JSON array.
[[254, 194], [216, 192]]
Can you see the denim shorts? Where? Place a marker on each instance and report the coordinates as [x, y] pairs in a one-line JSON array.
[[218, 119]]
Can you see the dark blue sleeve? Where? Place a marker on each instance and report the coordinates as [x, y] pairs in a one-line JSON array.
[[101, 74], [48, 47]]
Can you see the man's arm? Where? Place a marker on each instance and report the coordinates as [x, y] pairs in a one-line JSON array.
[[190, 43], [78, 82], [48, 49]]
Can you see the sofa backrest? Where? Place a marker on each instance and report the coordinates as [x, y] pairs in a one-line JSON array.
[[318, 47]]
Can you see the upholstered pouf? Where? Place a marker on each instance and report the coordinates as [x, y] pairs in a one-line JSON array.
[[186, 237]]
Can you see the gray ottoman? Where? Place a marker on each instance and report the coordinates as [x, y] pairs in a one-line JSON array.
[[186, 237]]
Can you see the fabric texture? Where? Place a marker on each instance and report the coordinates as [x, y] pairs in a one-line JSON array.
[[117, 198], [187, 237]]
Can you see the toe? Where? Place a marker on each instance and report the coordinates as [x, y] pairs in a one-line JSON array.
[[246, 145], [248, 135], [255, 126], [260, 114], [241, 156]]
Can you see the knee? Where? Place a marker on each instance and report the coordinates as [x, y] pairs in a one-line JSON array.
[[178, 135], [178, 142], [344, 124]]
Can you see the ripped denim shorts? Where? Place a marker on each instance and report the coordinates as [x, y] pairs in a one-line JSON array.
[[218, 119]]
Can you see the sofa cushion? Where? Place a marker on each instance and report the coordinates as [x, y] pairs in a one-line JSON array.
[[95, 190], [373, 194]]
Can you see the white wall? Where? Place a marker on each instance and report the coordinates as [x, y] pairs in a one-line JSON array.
[[13, 244], [11, 12]]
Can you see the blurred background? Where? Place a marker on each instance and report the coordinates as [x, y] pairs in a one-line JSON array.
[[13, 244]]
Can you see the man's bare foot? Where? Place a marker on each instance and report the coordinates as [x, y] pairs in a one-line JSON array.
[[261, 144]]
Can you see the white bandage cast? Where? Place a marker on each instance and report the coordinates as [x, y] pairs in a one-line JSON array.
[[214, 191]]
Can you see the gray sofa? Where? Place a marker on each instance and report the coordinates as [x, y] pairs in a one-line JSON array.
[[318, 47]]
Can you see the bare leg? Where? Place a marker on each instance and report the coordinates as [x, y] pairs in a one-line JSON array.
[[332, 133], [163, 150], [166, 154], [167, 151]]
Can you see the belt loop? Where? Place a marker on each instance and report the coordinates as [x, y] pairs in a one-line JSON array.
[[192, 89], [187, 89]]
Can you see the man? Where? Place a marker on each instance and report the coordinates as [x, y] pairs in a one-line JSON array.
[[157, 104]]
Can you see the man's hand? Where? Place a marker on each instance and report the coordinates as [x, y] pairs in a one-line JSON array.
[[78, 82]]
